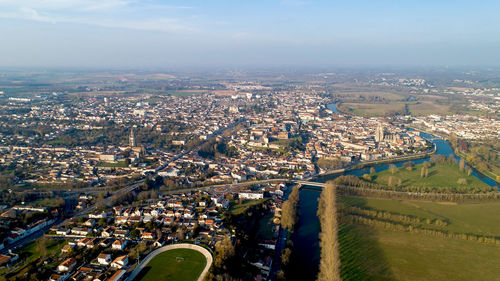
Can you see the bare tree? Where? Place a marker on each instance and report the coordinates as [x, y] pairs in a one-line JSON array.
[[329, 268]]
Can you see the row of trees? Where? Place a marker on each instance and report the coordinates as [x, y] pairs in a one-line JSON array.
[[394, 217], [330, 163], [289, 210], [433, 196], [355, 219], [329, 268], [354, 181], [483, 155]]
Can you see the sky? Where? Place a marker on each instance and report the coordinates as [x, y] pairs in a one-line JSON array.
[[266, 33]]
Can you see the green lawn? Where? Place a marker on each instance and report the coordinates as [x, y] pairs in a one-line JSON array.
[[238, 209], [371, 253], [117, 164], [439, 176], [266, 225], [174, 265], [377, 253]]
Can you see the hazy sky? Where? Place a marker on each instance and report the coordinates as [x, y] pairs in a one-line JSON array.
[[160, 33]]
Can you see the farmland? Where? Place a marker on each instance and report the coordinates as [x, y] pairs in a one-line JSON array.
[[381, 251]]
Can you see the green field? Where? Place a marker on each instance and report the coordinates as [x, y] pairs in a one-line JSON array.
[[117, 164], [238, 209], [174, 265], [374, 252], [480, 218], [371, 109], [439, 176], [265, 230]]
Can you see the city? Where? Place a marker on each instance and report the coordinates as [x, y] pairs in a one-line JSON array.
[[285, 140]]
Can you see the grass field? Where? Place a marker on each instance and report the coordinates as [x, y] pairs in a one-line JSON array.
[[377, 253], [265, 230], [372, 253], [238, 209], [117, 164], [439, 176], [174, 265], [372, 109], [480, 218], [428, 107]]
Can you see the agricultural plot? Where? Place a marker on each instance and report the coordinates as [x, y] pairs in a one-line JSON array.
[[381, 245]]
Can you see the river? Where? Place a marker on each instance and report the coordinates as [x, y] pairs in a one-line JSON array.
[[305, 238]]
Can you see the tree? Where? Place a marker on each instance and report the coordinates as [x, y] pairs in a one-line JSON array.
[[224, 250], [285, 256], [367, 177], [372, 170], [408, 165], [288, 215], [180, 234], [329, 268], [289, 210], [393, 168], [461, 165], [134, 234]]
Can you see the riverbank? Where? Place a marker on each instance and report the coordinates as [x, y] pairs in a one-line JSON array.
[[376, 162], [479, 172]]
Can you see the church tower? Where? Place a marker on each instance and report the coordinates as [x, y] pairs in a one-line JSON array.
[[131, 138], [379, 133]]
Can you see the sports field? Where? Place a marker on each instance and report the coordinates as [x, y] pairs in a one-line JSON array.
[[174, 265]]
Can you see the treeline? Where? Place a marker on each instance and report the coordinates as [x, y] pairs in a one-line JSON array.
[[329, 267], [212, 149], [483, 155], [356, 219], [354, 181], [289, 219], [394, 217], [223, 261], [289, 210], [330, 163], [390, 194]]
